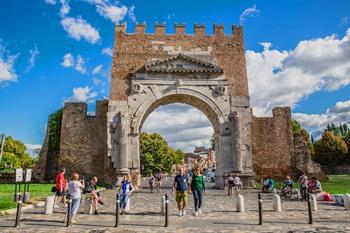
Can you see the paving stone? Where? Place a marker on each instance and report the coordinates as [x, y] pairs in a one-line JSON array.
[[218, 215]]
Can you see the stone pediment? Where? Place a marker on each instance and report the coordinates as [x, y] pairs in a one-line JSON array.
[[181, 64]]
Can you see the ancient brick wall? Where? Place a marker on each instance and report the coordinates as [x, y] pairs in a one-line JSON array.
[[83, 140], [273, 145], [132, 51]]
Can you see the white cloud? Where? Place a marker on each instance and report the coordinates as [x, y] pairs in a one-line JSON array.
[[110, 10], [97, 82], [283, 78], [80, 65], [78, 29], [33, 149], [107, 51], [68, 60], [317, 123], [50, 2], [82, 94], [249, 12], [33, 56], [340, 107], [131, 13], [183, 126], [65, 8], [7, 71], [97, 69]]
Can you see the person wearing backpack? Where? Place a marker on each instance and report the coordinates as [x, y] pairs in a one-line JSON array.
[[198, 187], [125, 189]]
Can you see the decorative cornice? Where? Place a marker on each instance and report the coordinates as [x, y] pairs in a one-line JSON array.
[[206, 66]]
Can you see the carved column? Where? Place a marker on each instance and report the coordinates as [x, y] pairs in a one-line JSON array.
[[236, 141], [123, 146]]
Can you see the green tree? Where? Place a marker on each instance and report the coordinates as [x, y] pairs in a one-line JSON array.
[[156, 155], [15, 155], [342, 130], [296, 126], [330, 150], [54, 124]]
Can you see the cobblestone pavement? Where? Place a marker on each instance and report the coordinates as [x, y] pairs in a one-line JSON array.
[[218, 215]]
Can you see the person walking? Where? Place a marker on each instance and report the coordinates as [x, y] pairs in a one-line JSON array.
[[182, 187], [61, 186], [75, 188], [198, 187], [303, 186], [125, 189], [237, 183], [230, 185], [152, 182]]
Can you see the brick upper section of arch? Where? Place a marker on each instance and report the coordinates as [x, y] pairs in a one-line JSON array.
[[133, 50]]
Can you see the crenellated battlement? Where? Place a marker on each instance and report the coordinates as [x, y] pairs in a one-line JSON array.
[[180, 29]]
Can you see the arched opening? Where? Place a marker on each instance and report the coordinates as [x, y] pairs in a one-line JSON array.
[[188, 124]]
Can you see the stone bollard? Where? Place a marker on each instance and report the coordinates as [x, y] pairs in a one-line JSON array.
[[162, 205], [313, 202], [88, 206], [26, 197], [276, 203], [346, 198], [240, 203], [49, 202]]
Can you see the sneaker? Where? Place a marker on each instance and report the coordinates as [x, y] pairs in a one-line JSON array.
[[74, 221], [195, 213], [96, 213], [180, 213], [183, 213], [199, 211], [56, 206]]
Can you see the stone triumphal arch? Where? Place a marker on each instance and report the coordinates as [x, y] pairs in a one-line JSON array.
[[152, 69], [188, 73]]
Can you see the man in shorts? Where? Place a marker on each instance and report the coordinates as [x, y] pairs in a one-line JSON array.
[[182, 187], [61, 186]]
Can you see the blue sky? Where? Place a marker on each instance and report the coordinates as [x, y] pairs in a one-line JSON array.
[[57, 50]]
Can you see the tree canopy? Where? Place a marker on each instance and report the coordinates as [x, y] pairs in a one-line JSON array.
[[15, 156], [156, 155], [330, 150]]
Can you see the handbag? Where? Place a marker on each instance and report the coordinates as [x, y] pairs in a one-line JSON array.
[[53, 189]]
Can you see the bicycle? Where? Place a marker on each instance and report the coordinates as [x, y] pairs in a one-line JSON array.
[[288, 192]]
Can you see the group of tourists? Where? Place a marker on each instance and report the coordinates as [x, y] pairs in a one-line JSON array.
[[182, 187], [306, 185], [155, 182], [75, 187], [233, 182]]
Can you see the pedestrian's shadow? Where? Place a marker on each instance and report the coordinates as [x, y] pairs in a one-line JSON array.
[[148, 213]]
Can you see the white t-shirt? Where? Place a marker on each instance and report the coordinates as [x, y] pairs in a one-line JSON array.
[[74, 188], [236, 180]]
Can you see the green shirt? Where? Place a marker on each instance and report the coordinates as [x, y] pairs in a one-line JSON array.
[[198, 183]]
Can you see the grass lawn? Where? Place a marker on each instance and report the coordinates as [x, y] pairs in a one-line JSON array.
[[37, 192], [337, 184]]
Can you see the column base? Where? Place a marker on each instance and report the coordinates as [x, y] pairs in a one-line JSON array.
[[247, 180]]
